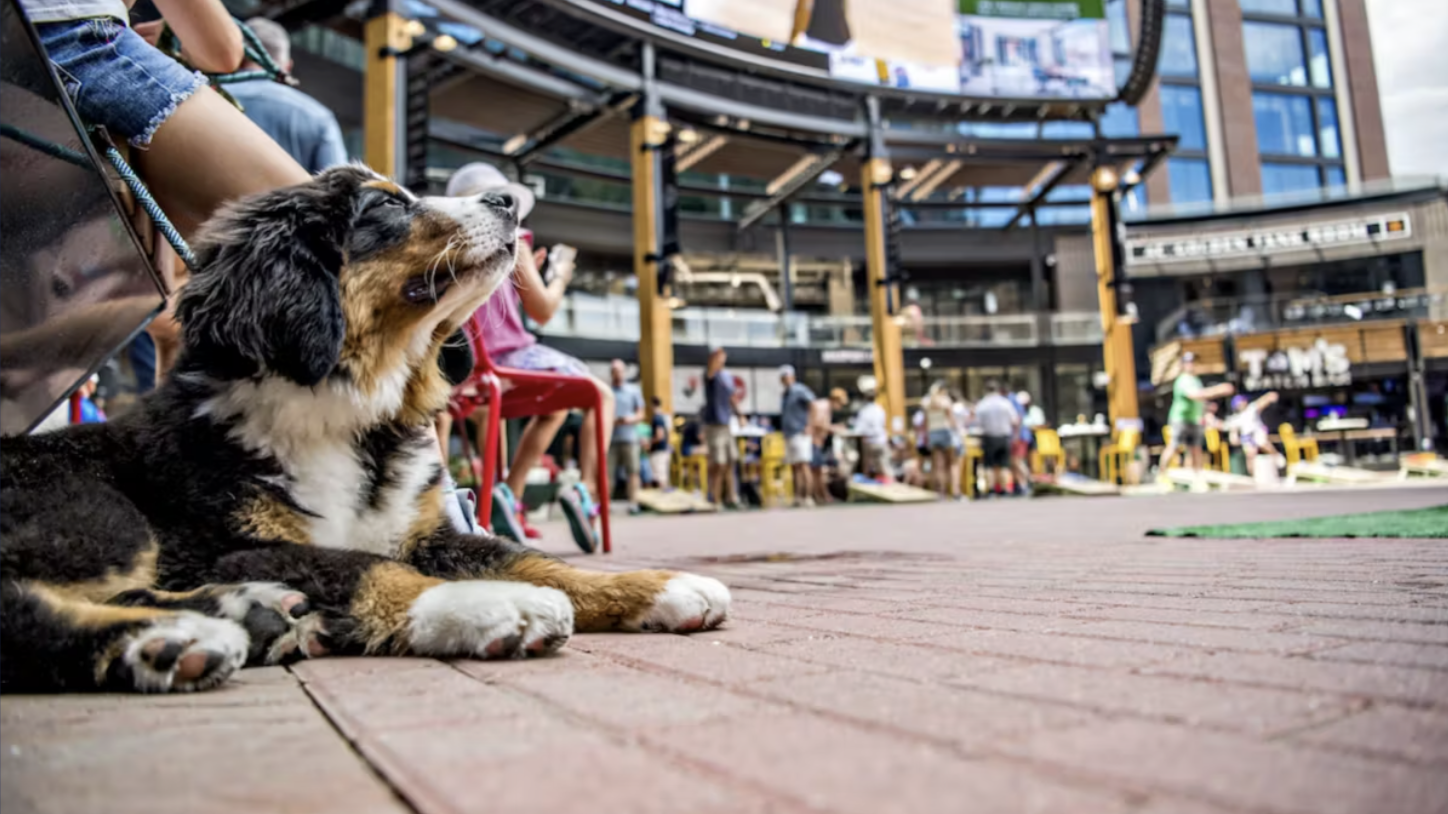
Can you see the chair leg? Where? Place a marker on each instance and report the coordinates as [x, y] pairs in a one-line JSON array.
[[490, 455], [604, 476]]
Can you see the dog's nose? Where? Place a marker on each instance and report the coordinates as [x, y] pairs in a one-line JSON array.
[[501, 200]]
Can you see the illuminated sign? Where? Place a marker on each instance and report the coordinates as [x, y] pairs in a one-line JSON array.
[[1256, 242], [1321, 365]]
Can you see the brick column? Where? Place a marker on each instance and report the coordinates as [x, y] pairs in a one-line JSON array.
[[1234, 87], [1362, 79]]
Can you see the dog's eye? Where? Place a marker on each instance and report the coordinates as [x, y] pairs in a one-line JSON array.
[[395, 203]]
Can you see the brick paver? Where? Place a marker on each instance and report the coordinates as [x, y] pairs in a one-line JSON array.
[[1011, 657]]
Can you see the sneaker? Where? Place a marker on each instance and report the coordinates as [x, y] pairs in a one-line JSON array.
[[634, 508], [505, 519], [578, 508], [808, 503], [528, 530]]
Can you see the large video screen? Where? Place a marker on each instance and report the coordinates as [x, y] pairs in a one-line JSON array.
[[1018, 49]]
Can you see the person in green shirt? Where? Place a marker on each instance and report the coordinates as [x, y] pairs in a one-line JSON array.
[[1188, 404]]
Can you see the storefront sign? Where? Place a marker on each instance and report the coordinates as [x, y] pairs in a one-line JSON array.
[[1370, 305], [1320, 365], [847, 356], [1255, 242]]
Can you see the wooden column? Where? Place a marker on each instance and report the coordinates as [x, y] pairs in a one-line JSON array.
[[647, 135], [1116, 349], [889, 358], [382, 117]]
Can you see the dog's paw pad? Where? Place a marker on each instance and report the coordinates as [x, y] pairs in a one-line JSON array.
[[182, 653], [689, 603], [277, 618], [494, 620]]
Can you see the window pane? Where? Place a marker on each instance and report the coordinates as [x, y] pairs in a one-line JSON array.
[[1327, 128], [1181, 112], [1178, 47], [1312, 8], [1274, 53], [1317, 59], [1284, 124], [1282, 178], [1191, 180], [1119, 120], [1335, 177], [1269, 6], [1123, 70], [1179, 3], [1081, 130], [1120, 29]]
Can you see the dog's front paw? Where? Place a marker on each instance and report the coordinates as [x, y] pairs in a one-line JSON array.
[[184, 652], [486, 619], [687, 604], [278, 619]]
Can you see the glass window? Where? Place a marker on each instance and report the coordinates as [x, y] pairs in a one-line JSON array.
[[1181, 112], [1274, 53], [1082, 130], [1284, 124], [1123, 70], [1335, 177], [1278, 179], [1119, 27], [1191, 180], [1327, 128], [1269, 6], [1178, 47], [1312, 8], [1119, 121], [1318, 63], [1179, 3]]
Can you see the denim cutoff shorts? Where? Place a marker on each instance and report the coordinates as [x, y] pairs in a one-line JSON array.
[[115, 78]]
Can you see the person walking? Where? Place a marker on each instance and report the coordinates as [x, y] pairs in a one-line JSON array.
[[941, 435], [999, 422], [794, 414], [720, 404], [623, 449], [660, 447]]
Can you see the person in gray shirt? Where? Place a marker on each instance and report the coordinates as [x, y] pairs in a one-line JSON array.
[[794, 407], [999, 422], [623, 448], [304, 127]]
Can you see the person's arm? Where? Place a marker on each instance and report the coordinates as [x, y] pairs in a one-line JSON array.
[[540, 302], [210, 39], [1264, 401], [634, 417], [1216, 391]]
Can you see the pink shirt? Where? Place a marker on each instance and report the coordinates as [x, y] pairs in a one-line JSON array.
[[501, 321]]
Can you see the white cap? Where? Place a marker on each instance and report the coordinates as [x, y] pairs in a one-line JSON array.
[[786, 370], [477, 178]]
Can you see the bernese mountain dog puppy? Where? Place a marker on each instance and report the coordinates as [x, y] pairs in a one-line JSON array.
[[281, 495]]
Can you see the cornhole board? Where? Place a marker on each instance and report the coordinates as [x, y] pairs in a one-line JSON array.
[[1214, 479], [1424, 466], [1336, 475], [890, 493], [677, 501], [1075, 485]]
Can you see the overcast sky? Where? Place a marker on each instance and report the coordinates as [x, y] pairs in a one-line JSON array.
[[1410, 46]]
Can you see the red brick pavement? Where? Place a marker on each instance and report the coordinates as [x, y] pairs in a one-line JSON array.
[[1010, 657]]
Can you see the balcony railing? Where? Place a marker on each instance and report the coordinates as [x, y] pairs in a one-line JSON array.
[[617, 318], [1245, 315]]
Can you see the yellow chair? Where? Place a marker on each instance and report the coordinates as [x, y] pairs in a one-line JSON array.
[[688, 473], [1219, 452], [776, 478], [1048, 446], [1296, 449], [970, 466], [1116, 455]]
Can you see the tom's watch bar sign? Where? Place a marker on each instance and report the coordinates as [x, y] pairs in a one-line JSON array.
[[1322, 364], [1255, 242]]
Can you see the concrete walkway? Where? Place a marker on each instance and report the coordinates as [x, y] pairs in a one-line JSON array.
[[1018, 656]]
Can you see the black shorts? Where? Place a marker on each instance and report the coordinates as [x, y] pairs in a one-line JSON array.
[[996, 450]]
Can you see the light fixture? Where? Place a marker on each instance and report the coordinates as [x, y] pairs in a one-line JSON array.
[[1132, 177], [688, 136], [444, 43], [515, 144], [907, 173], [925, 363], [414, 28]]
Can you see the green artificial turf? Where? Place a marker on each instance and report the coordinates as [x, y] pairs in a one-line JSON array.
[[1414, 523]]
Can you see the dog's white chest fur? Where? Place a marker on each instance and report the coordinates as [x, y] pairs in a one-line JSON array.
[[331, 482]]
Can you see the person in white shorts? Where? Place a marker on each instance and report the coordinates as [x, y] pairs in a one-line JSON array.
[[794, 409], [1249, 431]]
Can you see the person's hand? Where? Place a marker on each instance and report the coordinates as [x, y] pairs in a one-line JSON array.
[[150, 31], [1272, 397], [564, 271]]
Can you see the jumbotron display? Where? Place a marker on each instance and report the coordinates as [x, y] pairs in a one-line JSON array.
[[1017, 49]]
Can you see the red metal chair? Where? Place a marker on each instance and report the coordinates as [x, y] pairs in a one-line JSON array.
[[528, 393]]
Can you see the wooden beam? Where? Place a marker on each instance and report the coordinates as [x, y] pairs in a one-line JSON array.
[[656, 341], [383, 88], [1116, 349], [889, 358]]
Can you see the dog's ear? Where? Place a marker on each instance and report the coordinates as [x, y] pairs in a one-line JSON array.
[[265, 297]]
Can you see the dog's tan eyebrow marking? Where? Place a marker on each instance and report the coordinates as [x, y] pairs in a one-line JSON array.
[[388, 187]]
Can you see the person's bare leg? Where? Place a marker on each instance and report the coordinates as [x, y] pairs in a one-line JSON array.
[[208, 153], [588, 462], [803, 483], [716, 482], [536, 437], [1166, 457], [444, 431], [952, 483], [1196, 453], [1250, 453]]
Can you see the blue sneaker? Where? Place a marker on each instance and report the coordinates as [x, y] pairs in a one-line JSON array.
[[505, 519], [580, 510]]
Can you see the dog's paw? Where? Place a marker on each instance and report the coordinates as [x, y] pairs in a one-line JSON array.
[[278, 619], [486, 619], [184, 652], [687, 604]]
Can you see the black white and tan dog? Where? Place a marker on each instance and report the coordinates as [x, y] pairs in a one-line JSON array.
[[281, 495]]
